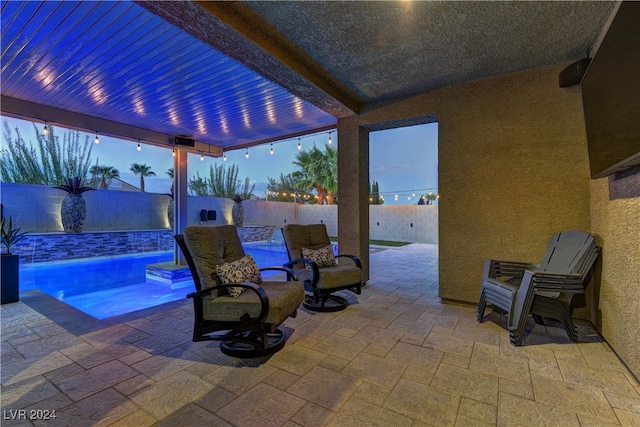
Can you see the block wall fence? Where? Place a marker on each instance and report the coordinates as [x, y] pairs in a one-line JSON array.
[[139, 221]]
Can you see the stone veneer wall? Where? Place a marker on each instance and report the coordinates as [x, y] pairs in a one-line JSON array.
[[63, 246]]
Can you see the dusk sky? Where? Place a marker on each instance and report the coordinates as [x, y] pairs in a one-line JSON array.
[[403, 161]]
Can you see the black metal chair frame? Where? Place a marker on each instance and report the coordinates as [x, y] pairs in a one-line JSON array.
[[245, 338]]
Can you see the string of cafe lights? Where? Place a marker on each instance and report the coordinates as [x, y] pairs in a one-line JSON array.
[[298, 146]]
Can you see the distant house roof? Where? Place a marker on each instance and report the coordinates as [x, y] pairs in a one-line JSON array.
[[118, 184]]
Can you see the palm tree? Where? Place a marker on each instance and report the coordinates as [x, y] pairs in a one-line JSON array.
[[319, 170], [142, 170], [105, 173]]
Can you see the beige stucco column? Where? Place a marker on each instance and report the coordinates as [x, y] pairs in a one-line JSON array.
[[353, 191], [180, 181]]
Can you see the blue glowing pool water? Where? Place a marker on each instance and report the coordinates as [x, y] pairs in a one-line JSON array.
[[109, 287]]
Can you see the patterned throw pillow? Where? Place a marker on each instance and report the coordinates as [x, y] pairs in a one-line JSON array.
[[243, 270], [323, 257]]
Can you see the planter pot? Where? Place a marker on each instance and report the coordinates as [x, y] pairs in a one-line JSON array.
[[237, 214], [170, 213], [10, 276], [73, 213]]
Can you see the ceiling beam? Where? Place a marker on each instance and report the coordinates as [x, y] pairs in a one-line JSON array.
[[31, 111], [236, 31]]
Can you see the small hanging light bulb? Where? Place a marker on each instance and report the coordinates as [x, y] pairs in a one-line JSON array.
[[408, 197], [271, 150], [173, 152], [139, 148], [330, 141], [413, 193], [45, 130], [299, 146], [246, 152], [202, 157], [224, 156], [395, 197], [96, 140]]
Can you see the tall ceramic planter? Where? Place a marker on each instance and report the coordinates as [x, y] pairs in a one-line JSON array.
[[237, 214], [170, 213], [74, 208], [74, 213]]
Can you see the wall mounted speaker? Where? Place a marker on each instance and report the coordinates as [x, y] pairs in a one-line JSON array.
[[572, 75], [184, 141]]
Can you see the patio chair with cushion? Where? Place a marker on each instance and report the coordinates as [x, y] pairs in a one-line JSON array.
[[311, 258], [543, 290], [231, 295]]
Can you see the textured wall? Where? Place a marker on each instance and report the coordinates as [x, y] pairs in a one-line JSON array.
[[616, 225], [513, 170]]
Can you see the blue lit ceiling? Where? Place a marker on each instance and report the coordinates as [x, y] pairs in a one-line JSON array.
[[119, 62], [238, 73]]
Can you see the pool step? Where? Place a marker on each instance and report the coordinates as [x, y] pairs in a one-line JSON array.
[[168, 273]]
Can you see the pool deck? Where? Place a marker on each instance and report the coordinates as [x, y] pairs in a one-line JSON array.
[[396, 356]]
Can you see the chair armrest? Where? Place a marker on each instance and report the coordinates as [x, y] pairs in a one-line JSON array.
[[314, 268], [290, 274], [552, 281], [494, 268], [354, 258], [262, 295]]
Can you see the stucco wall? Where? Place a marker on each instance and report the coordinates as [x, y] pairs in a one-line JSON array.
[[513, 170], [616, 225]]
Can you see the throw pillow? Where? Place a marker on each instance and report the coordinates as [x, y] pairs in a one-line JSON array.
[[323, 257], [243, 270]]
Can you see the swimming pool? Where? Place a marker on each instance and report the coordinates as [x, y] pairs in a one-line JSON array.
[[112, 286]]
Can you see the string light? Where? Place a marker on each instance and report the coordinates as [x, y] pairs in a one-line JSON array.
[[224, 156], [271, 150], [330, 141], [173, 152], [299, 146], [45, 130], [97, 140], [246, 152], [139, 148], [202, 157]]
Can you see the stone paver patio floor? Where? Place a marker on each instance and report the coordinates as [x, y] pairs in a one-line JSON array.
[[396, 356]]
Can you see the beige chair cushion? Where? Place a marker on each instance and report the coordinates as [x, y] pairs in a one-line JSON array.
[[284, 299], [332, 277], [212, 246]]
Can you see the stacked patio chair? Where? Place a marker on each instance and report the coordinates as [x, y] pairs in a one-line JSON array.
[[545, 289]]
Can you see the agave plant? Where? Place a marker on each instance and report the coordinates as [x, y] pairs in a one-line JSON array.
[[10, 234], [74, 186], [74, 208]]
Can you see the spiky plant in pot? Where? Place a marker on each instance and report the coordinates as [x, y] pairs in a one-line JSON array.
[[10, 263], [74, 208]]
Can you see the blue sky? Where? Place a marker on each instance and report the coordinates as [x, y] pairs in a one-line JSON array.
[[403, 161]]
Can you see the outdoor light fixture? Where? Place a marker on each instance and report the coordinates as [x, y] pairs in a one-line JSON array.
[[139, 148], [224, 156], [271, 150], [45, 130], [173, 152], [97, 140], [202, 157], [330, 141], [246, 152], [299, 146]]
